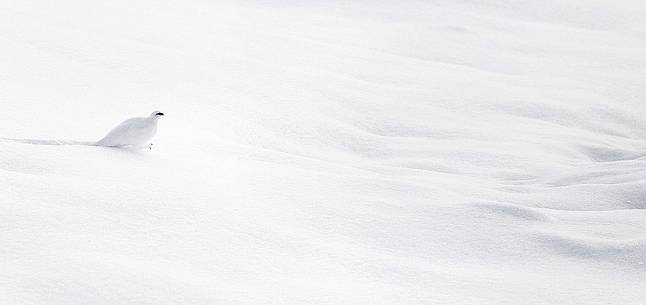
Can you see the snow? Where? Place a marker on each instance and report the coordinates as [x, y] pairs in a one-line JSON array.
[[332, 152]]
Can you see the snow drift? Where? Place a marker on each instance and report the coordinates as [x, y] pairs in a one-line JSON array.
[[389, 152]]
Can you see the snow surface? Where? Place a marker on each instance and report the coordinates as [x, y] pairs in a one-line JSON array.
[[324, 152]]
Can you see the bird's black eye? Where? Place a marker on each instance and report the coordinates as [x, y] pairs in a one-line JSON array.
[[159, 113]]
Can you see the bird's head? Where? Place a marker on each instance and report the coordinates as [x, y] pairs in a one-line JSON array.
[[156, 114]]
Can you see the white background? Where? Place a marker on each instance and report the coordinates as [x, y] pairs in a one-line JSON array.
[[325, 152]]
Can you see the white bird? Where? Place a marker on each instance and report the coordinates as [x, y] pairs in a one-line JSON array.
[[134, 132]]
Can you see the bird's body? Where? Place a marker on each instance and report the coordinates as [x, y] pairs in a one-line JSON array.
[[134, 132]]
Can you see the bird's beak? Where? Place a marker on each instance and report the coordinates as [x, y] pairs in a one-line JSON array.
[[160, 113]]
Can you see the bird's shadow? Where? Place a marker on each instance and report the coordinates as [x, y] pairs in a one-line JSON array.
[[49, 142], [72, 142]]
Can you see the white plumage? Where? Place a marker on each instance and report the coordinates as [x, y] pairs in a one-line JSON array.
[[134, 132]]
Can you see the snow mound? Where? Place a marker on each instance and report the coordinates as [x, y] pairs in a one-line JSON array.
[[391, 152]]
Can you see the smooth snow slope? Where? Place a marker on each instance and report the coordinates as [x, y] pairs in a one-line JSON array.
[[328, 152]]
